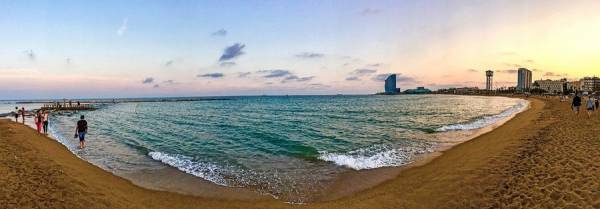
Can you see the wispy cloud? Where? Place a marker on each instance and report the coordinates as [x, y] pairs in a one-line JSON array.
[[211, 75], [551, 74], [30, 54], [227, 64], [309, 55], [244, 74], [148, 80], [375, 65], [472, 70], [287, 75], [123, 28], [170, 82], [353, 78], [220, 32], [274, 73], [169, 63], [156, 86], [232, 51], [68, 60], [370, 11], [509, 71], [355, 75], [399, 78], [297, 79]]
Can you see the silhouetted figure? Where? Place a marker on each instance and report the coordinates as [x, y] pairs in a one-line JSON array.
[[576, 104], [17, 111], [80, 131]]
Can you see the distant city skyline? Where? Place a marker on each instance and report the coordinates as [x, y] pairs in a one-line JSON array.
[[87, 49]]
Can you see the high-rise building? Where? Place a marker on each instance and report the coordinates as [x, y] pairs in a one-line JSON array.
[[523, 79], [390, 84], [489, 80]]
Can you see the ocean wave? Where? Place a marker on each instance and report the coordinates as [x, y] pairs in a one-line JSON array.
[[486, 120], [207, 171], [376, 156]]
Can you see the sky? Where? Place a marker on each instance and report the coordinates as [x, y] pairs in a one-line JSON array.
[[105, 49]]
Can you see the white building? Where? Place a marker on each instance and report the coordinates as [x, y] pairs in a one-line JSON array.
[[551, 86]]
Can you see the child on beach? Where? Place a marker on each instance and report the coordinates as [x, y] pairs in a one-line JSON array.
[[576, 104], [80, 131]]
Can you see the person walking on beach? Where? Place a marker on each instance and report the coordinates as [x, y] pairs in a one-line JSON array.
[[17, 112], [45, 122], [80, 131], [590, 106], [576, 104], [597, 103], [23, 114]]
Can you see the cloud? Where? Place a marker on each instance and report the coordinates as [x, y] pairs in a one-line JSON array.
[[170, 82], [363, 72], [285, 74], [551, 74], [472, 71], [309, 55], [529, 61], [156, 86], [30, 54], [227, 64], [68, 60], [244, 74], [369, 11], [169, 63], [352, 78], [297, 79], [375, 65], [232, 51], [122, 28], [148, 80], [509, 71], [275, 73], [211, 75], [220, 32], [399, 78]]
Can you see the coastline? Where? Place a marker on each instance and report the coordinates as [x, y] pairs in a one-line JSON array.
[[460, 177]]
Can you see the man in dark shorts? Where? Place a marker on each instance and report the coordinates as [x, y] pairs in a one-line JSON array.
[[23, 114], [576, 104], [80, 131]]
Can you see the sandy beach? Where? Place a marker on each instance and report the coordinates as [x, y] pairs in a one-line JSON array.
[[545, 157]]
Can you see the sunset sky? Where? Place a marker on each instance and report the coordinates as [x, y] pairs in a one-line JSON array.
[[88, 49]]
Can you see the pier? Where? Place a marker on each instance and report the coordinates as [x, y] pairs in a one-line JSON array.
[[67, 107]]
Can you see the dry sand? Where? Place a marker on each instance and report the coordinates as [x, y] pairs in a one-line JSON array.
[[543, 158]]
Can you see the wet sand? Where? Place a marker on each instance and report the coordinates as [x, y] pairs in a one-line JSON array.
[[544, 157]]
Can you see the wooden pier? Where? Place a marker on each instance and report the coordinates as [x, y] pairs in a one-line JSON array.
[[67, 107]]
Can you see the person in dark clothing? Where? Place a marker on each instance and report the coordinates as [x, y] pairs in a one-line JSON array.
[[597, 104], [80, 131], [576, 104], [17, 111]]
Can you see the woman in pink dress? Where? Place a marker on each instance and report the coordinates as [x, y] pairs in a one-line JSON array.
[[38, 121]]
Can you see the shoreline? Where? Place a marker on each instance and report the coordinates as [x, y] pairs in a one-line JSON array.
[[347, 183], [467, 175]]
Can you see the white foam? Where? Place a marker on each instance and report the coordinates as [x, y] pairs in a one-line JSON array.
[[207, 171], [374, 157], [487, 120]]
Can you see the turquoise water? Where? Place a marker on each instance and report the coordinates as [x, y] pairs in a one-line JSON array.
[[284, 146]]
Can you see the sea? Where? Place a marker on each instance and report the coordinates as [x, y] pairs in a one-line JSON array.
[[284, 146]]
